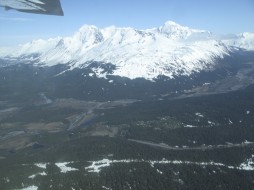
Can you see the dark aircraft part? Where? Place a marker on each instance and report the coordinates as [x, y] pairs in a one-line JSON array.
[[48, 7]]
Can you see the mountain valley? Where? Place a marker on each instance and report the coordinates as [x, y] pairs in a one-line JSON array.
[[120, 108]]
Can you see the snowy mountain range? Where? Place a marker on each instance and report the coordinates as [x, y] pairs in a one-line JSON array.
[[170, 50]]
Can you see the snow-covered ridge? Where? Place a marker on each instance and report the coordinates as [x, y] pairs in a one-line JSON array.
[[169, 50], [244, 40]]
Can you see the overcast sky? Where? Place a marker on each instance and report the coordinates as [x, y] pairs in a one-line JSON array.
[[218, 16]]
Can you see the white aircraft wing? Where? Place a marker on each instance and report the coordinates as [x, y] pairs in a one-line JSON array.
[[48, 7]]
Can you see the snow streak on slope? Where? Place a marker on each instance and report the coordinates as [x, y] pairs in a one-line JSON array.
[[170, 50]]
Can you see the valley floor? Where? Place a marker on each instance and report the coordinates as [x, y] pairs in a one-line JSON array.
[[201, 142]]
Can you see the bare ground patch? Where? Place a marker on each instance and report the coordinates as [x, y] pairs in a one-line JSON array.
[[46, 127]]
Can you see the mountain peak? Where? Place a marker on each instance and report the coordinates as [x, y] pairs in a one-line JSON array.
[[87, 33], [175, 31], [86, 28], [171, 23]]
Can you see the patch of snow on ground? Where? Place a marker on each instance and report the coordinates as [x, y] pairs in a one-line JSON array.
[[64, 168], [100, 73], [7, 180], [107, 188], [248, 164], [41, 165], [190, 126], [160, 172], [211, 123], [33, 176], [96, 166], [230, 122], [199, 114], [247, 142], [30, 188]]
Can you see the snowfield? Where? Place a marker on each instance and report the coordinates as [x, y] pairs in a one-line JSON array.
[[170, 50]]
